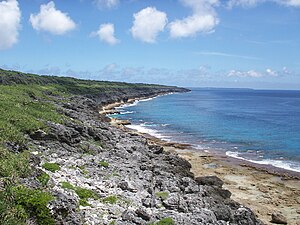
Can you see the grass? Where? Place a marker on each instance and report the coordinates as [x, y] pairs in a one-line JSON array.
[[67, 185], [162, 194], [103, 164], [164, 221], [112, 199], [18, 203], [21, 113], [53, 167], [43, 179], [83, 194], [27, 103], [13, 165]]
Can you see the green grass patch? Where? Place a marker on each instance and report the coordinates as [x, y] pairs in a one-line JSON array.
[[112, 199], [67, 185], [164, 221], [22, 113], [43, 179], [13, 165], [162, 194], [83, 194], [18, 203], [103, 163], [51, 167]]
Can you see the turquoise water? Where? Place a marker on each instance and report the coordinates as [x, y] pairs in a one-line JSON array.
[[262, 126]]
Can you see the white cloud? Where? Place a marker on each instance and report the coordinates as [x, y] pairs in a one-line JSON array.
[[294, 3], [252, 3], [106, 34], [250, 73], [244, 3], [256, 74], [203, 20], [52, 20], [271, 72], [10, 17], [148, 23], [107, 3]]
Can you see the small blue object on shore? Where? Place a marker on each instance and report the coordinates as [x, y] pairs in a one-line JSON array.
[[262, 126]]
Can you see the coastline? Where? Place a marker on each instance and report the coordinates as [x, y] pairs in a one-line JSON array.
[[263, 188]]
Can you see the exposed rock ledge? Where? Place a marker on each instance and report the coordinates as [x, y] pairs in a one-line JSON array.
[[134, 182]]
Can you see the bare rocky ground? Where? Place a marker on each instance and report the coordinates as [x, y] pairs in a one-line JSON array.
[[109, 176], [267, 191]]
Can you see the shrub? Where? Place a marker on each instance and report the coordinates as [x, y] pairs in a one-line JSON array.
[[82, 193], [166, 221], [51, 167], [163, 195], [110, 199], [43, 179], [18, 203], [67, 185], [104, 164], [13, 165]]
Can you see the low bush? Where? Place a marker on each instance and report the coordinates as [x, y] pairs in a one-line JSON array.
[[51, 167]]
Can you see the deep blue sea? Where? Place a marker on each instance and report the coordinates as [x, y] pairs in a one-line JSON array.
[[261, 126]]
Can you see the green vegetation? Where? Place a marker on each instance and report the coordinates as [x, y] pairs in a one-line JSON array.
[[51, 167], [67, 185], [164, 221], [27, 103], [21, 112], [18, 203], [82, 193], [104, 163], [113, 222], [83, 170], [13, 165], [163, 195], [110, 199], [43, 179]]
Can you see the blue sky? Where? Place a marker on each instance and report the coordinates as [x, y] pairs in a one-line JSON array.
[[233, 43]]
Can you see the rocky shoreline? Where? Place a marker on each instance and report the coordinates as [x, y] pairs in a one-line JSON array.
[[106, 175]]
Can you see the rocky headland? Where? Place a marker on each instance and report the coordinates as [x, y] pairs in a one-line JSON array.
[[97, 173]]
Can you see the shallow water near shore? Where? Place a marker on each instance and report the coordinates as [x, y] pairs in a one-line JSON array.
[[261, 126]]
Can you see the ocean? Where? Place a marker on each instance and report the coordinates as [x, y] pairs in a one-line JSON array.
[[261, 126]]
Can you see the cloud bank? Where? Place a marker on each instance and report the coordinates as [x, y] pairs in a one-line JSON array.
[[51, 20], [10, 17]]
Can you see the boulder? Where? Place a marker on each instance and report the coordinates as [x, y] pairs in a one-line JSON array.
[[278, 218]]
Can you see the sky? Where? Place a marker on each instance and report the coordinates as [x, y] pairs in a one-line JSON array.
[[191, 43]]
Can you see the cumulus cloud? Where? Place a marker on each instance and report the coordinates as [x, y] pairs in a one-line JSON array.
[[252, 3], [107, 3], [271, 72], [51, 20], [203, 20], [10, 17], [148, 23], [106, 34]]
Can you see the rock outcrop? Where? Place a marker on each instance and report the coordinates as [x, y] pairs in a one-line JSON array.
[[109, 176]]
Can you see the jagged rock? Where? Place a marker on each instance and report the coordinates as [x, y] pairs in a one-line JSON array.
[[278, 218], [244, 216], [143, 214], [210, 180], [130, 175]]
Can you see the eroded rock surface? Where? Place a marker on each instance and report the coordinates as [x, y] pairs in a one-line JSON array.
[[132, 181]]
